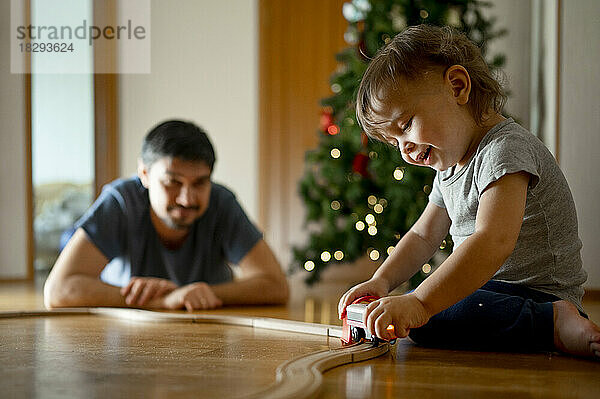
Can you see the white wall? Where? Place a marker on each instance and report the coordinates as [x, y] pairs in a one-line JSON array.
[[544, 67], [204, 69], [515, 16], [13, 190], [580, 122]]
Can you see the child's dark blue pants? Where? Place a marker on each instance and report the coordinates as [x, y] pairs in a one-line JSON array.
[[498, 317]]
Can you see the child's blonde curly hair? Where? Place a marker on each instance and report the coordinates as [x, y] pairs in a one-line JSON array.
[[417, 51]]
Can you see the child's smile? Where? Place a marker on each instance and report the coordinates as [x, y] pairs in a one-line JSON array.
[[425, 156]]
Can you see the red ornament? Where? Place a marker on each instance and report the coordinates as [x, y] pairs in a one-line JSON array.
[[360, 163], [333, 130], [326, 120]]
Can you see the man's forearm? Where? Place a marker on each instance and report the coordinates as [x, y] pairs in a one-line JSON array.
[[81, 290], [258, 290]]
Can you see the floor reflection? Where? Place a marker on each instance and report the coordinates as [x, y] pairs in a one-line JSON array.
[[359, 382], [319, 310]]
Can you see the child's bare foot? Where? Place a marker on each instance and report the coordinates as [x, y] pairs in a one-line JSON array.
[[575, 334]]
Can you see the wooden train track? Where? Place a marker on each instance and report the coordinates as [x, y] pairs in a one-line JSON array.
[[298, 378]]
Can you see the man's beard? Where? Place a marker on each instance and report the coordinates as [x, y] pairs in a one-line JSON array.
[[176, 224], [172, 224]]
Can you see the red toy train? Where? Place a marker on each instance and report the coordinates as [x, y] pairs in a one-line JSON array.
[[354, 329]]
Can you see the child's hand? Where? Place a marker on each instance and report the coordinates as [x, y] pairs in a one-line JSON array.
[[375, 287], [403, 312]]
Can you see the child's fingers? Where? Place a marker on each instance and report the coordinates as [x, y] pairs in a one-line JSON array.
[[382, 330], [342, 305], [373, 311], [391, 330], [346, 300], [401, 331]]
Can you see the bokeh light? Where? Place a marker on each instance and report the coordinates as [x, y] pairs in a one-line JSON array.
[[309, 265]]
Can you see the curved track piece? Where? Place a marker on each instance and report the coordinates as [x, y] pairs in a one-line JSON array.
[[302, 377], [297, 378]]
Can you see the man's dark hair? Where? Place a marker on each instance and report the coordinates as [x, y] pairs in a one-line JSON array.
[[177, 139]]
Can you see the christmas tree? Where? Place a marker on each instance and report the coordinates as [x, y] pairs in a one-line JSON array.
[[360, 196]]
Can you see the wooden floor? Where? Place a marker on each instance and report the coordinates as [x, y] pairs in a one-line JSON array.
[[95, 356]]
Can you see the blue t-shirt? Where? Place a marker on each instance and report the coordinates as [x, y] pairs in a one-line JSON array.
[[119, 224]]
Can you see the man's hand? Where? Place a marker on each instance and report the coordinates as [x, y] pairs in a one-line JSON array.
[[194, 296], [141, 290], [374, 286], [403, 312]]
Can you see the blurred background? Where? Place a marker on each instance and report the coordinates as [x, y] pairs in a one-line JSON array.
[[253, 73]]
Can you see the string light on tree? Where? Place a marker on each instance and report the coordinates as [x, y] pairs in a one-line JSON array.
[[335, 153], [360, 226], [378, 208], [370, 219], [309, 265], [374, 254], [325, 256], [389, 250], [398, 174], [335, 205], [338, 255], [426, 268], [372, 200], [372, 230]]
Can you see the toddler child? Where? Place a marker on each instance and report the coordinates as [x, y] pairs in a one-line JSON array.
[[514, 279]]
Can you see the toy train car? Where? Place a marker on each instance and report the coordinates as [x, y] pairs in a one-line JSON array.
[[353, 322]]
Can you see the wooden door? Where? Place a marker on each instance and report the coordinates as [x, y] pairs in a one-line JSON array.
[[298, 40]]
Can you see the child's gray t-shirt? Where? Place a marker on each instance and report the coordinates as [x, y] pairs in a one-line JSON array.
[[119, 224], [547, 254]]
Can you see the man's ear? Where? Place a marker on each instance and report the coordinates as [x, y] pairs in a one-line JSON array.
[[460, 82], [142, 172]]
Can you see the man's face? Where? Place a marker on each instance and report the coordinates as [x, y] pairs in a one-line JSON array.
[[179, 190]]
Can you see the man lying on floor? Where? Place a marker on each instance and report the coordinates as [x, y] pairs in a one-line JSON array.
[[164, 239]]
